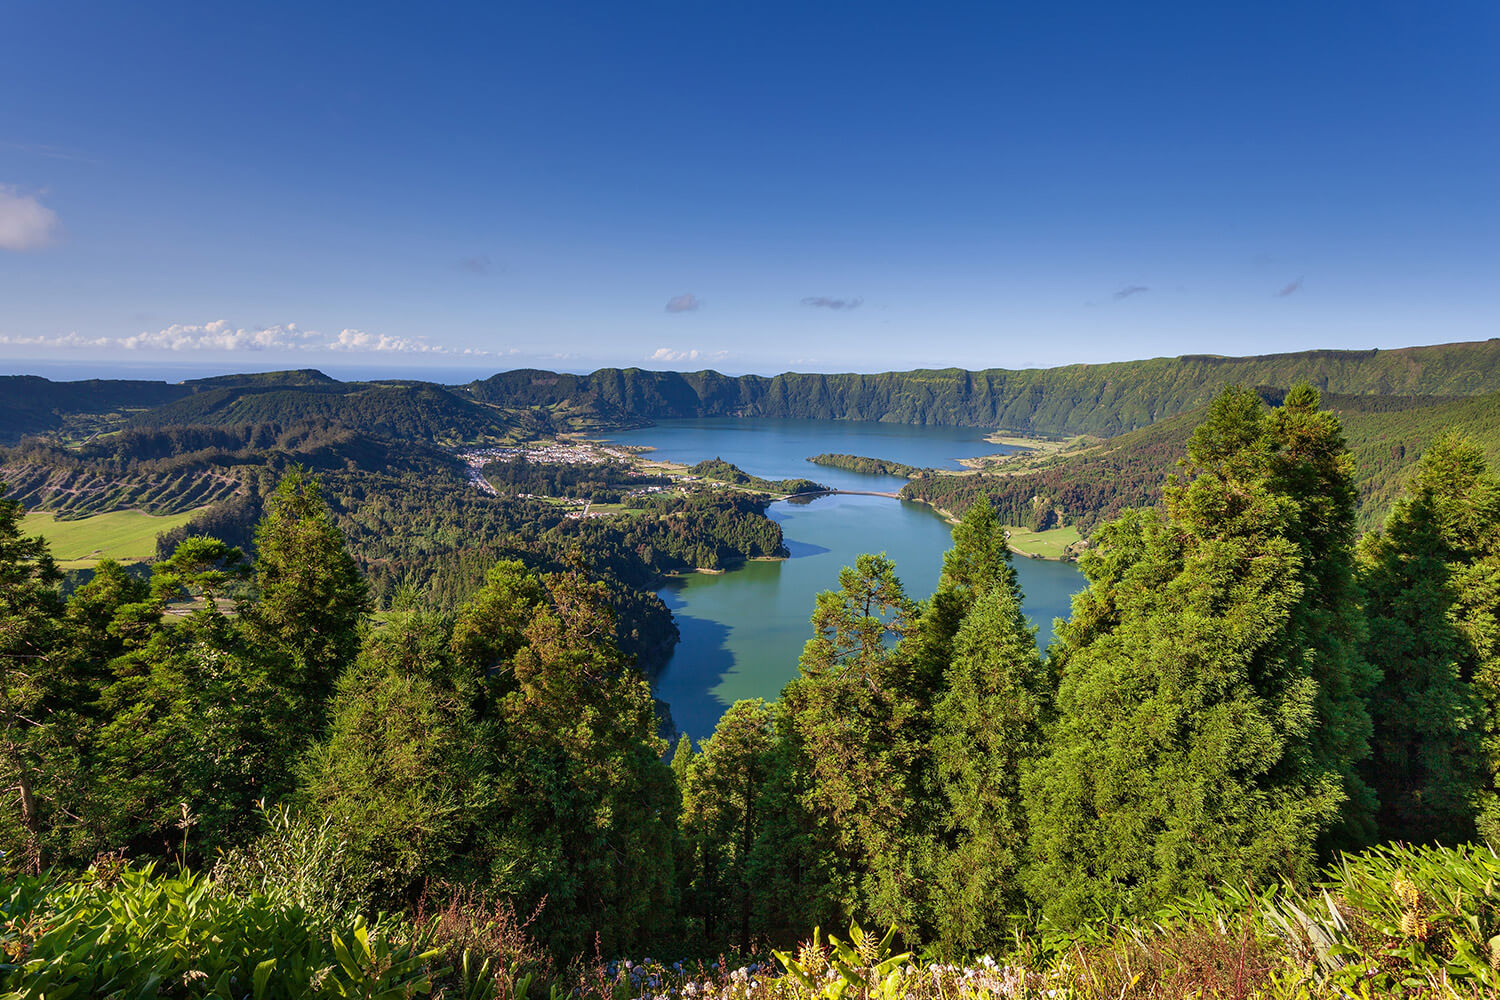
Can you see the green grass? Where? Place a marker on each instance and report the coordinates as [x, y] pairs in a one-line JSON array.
[[124, 535], [1050, 544]]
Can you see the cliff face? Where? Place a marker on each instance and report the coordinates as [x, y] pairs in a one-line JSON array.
[[1097, 399]]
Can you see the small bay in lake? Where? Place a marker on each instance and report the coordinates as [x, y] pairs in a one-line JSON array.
[[743, 630]]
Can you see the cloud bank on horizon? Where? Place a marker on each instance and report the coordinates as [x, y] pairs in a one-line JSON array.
[[222, 336]]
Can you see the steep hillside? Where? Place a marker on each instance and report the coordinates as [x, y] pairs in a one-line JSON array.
[[1096, 399], [1103, 400], [1386, 435], [411, 410], [30, 404]]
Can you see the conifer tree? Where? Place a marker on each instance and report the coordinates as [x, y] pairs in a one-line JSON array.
[[722, 819], [585, 805], [856, 742], [798, 878], [978, 561], [192, 734], [1206, 734], [404, 772], [1432, 596], [309, 594], [1310, 464], [30, 661], [491, 628], [987, 729]]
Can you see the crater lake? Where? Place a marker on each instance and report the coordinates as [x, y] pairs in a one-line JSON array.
[[743, 630]]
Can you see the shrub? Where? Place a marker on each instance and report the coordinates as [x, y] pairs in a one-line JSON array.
[[122, 931]]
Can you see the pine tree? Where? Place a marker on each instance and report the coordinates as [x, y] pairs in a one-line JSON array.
[[31, 641], [585, 805], [723, 817], [856, 743], [988, 728], [1207, 735], [309, 595], [1432, 595], [404, 772]]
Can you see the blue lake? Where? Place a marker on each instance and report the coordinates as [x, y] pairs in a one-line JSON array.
[[742, 631]]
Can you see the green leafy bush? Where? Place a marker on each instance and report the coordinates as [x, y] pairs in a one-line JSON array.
[[126, 932], [297, 861]]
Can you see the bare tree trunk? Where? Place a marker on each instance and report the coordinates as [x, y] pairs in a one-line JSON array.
[[29, 817], [745, 846]]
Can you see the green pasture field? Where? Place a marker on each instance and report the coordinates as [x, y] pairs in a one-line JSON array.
[[1049, 544], [123, 535]]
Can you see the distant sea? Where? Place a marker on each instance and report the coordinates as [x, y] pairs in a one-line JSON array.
[[73, 370]]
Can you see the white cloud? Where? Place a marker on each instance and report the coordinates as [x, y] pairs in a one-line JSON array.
[[221, 335], [667, 354], [25, 223]]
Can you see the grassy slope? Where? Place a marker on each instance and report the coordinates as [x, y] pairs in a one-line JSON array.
[[123, 535], [1050, 544]]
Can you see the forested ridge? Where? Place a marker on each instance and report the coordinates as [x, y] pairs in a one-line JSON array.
[[1104, 399], [1246, 689]]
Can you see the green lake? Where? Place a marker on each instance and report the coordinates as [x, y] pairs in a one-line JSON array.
[[743, 630]]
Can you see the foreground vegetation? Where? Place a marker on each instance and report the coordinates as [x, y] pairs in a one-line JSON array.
[[1389, 922]]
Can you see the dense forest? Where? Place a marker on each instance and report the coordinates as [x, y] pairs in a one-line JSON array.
[[1245, 690], [602, 482], [407, 511]]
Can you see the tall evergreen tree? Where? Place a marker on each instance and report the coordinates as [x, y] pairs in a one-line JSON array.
[[1310, 464], [30, 665], [854, 722], [987, 729], [978, 561], [799, 879], [722, 819], [192, 732], [1206, 734], [309, 594], [585, 806], [404, 772], [1432, 596]]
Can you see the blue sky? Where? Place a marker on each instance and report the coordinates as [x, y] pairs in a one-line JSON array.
[[744, 186]]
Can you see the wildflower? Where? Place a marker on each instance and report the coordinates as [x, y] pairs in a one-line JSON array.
[[1413, 926], [1405, 891]]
